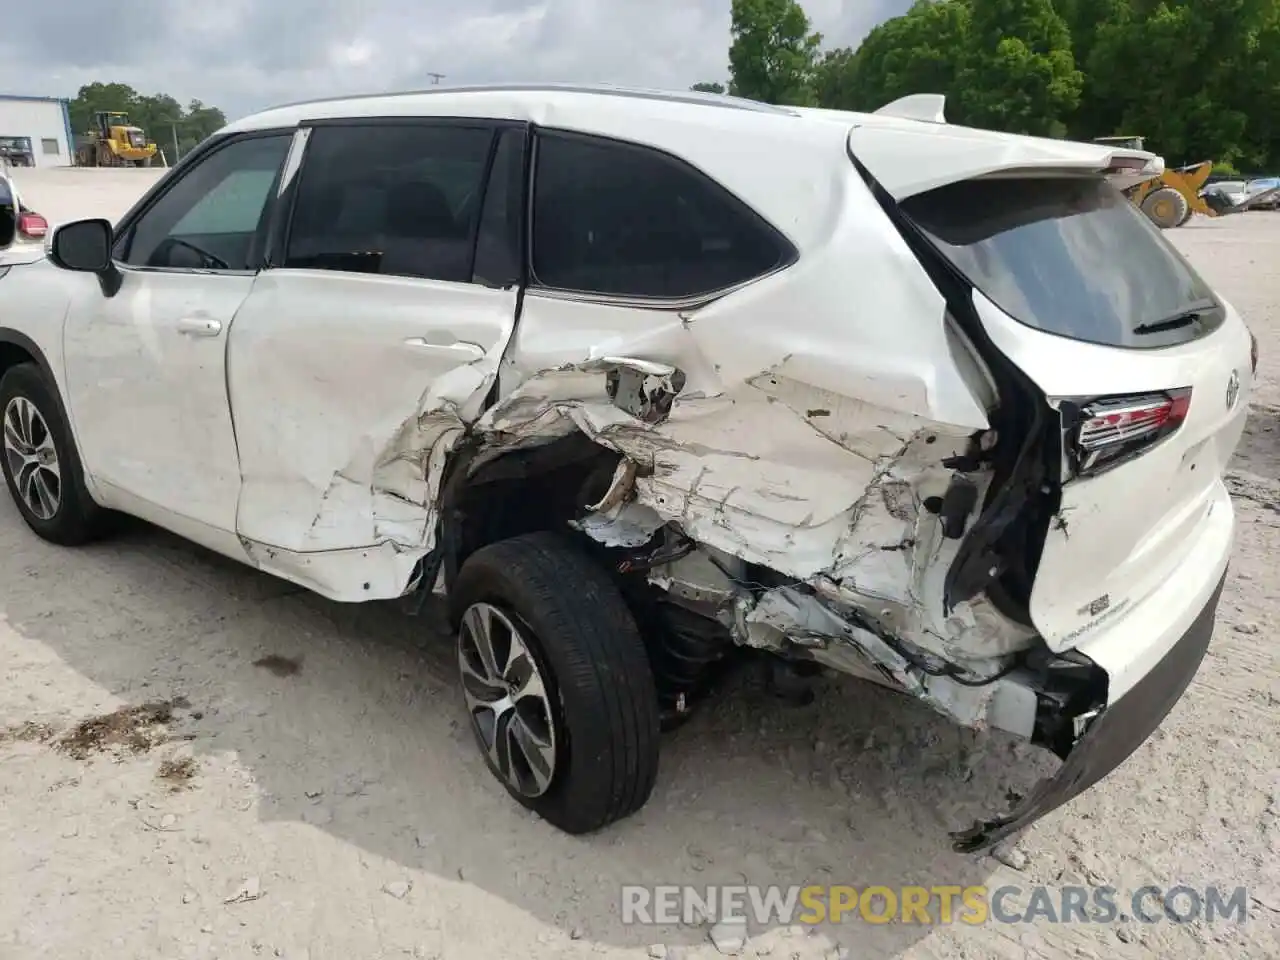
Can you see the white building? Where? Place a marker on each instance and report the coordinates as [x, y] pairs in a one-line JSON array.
[[43, 121]]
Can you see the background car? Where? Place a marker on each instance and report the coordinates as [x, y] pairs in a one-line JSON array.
[[29, 227], [1226, 193], [1264, 193]]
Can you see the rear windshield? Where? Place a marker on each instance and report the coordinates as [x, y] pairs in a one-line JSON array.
[[1069, 256]]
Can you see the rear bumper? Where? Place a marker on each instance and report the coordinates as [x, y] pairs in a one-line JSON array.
[[1113, 735]]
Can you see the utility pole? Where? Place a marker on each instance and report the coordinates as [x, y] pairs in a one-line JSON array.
[[435, 78]]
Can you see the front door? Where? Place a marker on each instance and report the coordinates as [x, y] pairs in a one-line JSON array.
[[146, 367]]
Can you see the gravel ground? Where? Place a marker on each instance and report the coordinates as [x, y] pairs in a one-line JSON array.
[[203, 761]]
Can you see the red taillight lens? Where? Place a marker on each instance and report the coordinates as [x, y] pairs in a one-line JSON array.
[[1112, 430], [32, 225]]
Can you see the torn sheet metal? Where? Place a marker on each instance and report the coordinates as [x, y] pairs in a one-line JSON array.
[[814, 486]]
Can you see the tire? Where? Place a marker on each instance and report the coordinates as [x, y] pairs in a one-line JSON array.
[[1166, 207], [601, 706], [75, 519]]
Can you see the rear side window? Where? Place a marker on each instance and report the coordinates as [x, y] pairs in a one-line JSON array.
[[397, 199], [617, 219], [1069, 256]]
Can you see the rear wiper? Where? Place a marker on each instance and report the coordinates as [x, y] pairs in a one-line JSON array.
[[1185, 318]]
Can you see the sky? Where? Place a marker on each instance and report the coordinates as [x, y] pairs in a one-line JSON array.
[[245, 55]]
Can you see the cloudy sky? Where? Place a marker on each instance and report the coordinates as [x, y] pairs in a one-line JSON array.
[[243, 55]]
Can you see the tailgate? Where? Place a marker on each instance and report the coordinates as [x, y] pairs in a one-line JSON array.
[[1119, 533], [1148, 369]]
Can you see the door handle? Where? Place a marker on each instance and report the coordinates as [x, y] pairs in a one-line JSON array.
[[199, 326], [460, 350]]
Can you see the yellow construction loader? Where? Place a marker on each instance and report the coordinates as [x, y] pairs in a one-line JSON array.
[[113, 142], [1171, 197]]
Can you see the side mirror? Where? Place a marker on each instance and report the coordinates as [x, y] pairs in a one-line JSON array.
[[83, 246]]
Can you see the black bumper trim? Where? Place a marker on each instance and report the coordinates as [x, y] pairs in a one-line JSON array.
[[1110, 739]]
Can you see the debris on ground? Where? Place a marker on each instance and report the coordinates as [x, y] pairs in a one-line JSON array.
[[1011, 855], [398, 889], [178, 772], [251, 889], [729, 936], [27, 732], [136, 729]]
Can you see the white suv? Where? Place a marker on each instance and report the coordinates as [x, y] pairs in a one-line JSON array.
[[639, 379]]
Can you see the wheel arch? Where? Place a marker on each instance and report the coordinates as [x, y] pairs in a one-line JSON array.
[[485, 499], [18, 348]]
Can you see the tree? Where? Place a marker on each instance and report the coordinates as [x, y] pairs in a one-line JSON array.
[[1018, 71], [773, 56], [708, 87]]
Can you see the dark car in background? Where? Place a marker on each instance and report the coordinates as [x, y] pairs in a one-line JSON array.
[[17, 151]]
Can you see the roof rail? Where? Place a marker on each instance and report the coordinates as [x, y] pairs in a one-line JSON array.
[[926, 107]]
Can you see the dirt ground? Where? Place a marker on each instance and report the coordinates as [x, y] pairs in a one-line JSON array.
[[201, 761]]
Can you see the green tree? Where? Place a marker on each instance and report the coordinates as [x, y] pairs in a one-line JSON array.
[[1018, 71], [774, 53], [705, 87], [1201, 81]]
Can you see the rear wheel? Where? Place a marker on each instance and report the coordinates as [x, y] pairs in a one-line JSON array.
[[556, 681], [40, 462], [1166, 207]]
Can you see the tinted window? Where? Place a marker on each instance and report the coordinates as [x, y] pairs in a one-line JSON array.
[[613, 218], [210, 217], [401, 199], [1071, 257]]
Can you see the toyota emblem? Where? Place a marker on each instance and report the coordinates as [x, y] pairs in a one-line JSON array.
[[1233, 389]]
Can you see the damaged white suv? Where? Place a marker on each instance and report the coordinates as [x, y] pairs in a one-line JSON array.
[[641, 378]]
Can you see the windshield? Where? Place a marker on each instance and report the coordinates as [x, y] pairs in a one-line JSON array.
[[1069, 256], [1229, 186]]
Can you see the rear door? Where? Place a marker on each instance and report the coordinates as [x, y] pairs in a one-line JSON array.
[[1150, 372], [370, 342]]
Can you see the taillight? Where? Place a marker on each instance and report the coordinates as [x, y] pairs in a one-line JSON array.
[[32, 225], [1109, 431]]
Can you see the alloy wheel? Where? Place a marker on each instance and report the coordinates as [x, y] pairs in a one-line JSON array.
[[506, 696], [32, 458]]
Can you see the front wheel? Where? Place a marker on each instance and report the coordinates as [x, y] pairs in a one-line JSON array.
[[41, 466], [556, 681]]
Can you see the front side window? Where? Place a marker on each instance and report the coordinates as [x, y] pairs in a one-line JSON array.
[[400, 199], [212, 216], [621, 220]]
